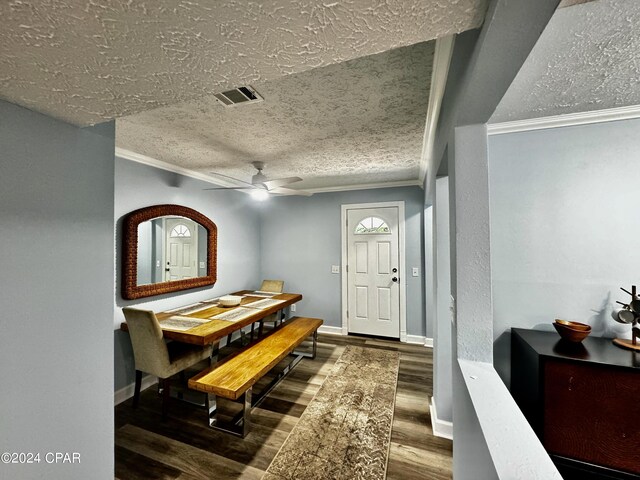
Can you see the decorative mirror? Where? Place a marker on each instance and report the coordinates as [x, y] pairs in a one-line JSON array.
[[167, 248]]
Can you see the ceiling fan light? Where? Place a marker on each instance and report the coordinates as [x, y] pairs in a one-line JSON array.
[[260, 195]]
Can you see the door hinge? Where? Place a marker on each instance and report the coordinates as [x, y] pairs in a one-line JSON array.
[[347, 268]]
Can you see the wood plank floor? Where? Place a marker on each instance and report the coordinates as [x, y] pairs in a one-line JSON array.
[[184, 448]]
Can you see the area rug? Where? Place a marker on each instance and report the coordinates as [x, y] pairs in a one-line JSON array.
[[344, 433]]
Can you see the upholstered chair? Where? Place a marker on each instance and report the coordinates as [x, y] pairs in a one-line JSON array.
[[272, 286], [156, 357]]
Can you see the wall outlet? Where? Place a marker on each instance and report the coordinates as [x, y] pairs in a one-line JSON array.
[[293, 307], [202, 265], [335, 268], [415, 271]]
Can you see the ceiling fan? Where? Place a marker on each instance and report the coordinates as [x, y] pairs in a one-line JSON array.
[[262, 186]]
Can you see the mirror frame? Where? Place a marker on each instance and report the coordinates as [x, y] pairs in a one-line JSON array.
[[130, 289]]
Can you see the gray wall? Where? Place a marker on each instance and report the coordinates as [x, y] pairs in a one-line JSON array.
[[442, 361], [301, 240], [564, 229], [234, 213], [56, 192]]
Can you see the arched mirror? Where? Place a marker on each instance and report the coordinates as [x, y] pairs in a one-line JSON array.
[[167, 248]]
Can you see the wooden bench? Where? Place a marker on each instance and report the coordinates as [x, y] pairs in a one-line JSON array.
[[234, 376]]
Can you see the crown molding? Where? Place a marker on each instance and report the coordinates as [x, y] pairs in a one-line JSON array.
[[140, 158], [439, 74], [565, 120], [366, 186]]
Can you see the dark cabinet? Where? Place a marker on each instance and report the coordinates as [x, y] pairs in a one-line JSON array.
[[582, 400]]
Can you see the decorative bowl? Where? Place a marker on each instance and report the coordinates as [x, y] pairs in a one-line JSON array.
[[576, 325], [229, 301], [572, 331]]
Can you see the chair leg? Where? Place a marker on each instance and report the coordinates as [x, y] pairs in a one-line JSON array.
[[229, 339], [166, 391], [260, 328], [253, 326], [136, 391]]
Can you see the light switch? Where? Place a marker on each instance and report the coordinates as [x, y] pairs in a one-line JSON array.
[[335, 268], [415, 271]]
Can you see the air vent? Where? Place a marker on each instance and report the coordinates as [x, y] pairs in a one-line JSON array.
[[237, 96]]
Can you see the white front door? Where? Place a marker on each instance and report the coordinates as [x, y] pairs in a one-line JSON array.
[[181, 254], [373, 263]]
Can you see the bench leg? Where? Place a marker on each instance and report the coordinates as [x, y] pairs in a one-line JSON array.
[[311, 355], [240, 424]]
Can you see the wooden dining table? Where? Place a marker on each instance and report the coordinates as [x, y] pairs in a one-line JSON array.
[[214, 329]]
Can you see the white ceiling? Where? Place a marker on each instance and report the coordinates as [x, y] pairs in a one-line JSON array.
[[357, 122], [346, 84], [344, 102], [585, 60]]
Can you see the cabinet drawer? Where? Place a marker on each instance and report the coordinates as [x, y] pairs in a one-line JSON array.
[[592, 413]]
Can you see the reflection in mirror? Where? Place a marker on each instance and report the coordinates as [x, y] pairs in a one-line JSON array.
[[169, 249]]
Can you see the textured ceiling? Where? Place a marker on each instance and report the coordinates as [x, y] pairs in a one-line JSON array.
[[586, 59], [360, 121], [94, 60]]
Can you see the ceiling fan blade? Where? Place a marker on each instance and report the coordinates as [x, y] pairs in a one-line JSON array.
[[279, 182], [290, 191], [230, 178], [231, 188]]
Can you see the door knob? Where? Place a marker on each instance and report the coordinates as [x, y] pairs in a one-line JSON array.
[[394, 279], [394, 270]]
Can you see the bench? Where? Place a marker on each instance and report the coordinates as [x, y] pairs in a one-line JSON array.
[[234, 376]]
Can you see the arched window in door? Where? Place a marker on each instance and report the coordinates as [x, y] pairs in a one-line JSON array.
[[372, 225], [180, 230]]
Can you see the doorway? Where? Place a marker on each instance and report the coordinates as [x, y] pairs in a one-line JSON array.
[[373, 292], [181, 249]]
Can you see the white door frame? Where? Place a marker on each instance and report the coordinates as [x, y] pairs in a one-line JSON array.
[[402, 267]]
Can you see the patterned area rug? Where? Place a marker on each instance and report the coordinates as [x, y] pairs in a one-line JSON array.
[[345, 431]]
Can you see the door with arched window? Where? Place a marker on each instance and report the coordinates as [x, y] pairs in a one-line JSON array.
[[181, 252], [373, 263]]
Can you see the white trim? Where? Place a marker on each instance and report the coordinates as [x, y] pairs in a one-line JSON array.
[[420, 340], [144, 159], [439, 74], [565, 120], [440, 428], [329, 330], [403, 262], [365, 186], [125, 393]]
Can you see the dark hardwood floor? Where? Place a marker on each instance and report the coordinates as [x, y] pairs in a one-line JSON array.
[[184, 448]]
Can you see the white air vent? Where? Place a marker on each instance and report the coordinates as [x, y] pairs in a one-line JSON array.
[[237, 96]]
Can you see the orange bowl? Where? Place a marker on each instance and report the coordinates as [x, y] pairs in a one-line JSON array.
[[576, 325], [570, 332]]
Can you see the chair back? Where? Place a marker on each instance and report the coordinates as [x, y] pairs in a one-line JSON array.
[[273, 286], [149, 349]]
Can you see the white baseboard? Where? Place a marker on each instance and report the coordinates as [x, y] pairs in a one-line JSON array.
[[441, 428], [414, 339], [126, 393], [420, 340], [330, 330]]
